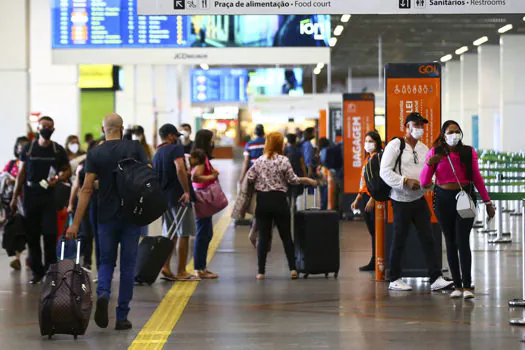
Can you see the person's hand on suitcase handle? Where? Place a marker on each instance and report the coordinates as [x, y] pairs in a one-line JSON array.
[[72, 231], [308, 182]]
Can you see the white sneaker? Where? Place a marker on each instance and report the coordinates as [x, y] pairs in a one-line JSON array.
[[456, 294], [441, 283], [399, 285], [468, 294]]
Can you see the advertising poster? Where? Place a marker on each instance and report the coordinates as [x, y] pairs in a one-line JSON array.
[[358, 119], [413, 88], [335, 121]]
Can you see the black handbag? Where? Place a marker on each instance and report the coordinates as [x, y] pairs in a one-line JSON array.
[[62, 192]]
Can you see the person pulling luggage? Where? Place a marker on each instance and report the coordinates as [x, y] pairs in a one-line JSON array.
[[169, 163], [43, 164], [271, 174], [113, 226], [401, 166]]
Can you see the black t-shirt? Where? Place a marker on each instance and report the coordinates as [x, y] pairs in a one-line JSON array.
[[164, 165], [102, 161], [188, 147], [40, 162]]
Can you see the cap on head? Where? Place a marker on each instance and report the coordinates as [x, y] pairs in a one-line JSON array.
[[167, 130], [138, 130], [416, 118]]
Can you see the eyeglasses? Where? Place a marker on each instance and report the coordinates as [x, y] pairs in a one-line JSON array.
[[416, 158]]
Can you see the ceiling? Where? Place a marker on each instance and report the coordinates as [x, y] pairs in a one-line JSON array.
[[410, 38]]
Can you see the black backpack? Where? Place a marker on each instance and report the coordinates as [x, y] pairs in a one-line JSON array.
[[141, 197], [334, 157], [377, 188]]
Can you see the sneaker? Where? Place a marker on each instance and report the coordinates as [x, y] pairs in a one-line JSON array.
[[123, 325], [468, 294], [36, 280], [441, 283], [399, 285], [101, 313], [456, 294]]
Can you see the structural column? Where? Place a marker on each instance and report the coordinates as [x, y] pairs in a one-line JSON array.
[[14, 73], [488, 94], [452, 83], [469, 97], [512, 92], [54, 88]]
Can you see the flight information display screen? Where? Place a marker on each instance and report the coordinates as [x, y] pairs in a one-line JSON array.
[[219, 85], [115, 24]]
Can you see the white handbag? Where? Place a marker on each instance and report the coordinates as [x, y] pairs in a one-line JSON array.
[[465, 206]]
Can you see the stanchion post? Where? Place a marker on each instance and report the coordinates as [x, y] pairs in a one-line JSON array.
[[520, 302], [380, 219], [499, 217]]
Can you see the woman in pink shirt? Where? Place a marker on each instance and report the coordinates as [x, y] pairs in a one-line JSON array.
[[455, 229]]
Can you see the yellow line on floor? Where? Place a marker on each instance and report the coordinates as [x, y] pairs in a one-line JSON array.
[[156, 331]]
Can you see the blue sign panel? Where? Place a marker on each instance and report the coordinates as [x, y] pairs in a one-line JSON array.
[[115, 24], [219, 85]]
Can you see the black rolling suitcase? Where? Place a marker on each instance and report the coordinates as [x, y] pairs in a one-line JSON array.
[[316, 240], [154, 251], [65, 299]]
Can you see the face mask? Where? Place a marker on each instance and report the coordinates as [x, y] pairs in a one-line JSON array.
[[46, 134], [417, 133], [136, 138], [73, 147], [185, 134], [453, 139], [370, 147]]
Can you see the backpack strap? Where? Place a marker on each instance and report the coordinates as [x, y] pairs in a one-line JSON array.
[[402, 146], [30, 150]]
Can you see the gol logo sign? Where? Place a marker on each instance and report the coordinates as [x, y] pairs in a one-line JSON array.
[[428, 69]]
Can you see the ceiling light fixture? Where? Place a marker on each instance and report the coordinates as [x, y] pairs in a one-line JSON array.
[[481, 41], [345, 18], [205, 66], [317, 71], [338, 30], [320, 65], [461, 50], [446, 58], [505, 29], [332, 41]]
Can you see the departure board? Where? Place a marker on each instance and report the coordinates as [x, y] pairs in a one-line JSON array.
[[219, 85], [114, 23], [94, 24]]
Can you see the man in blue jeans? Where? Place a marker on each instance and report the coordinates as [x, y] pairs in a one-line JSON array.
[[113, 228]]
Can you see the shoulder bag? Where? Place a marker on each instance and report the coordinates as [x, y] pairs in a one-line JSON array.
[[210, 200], [465, 206]]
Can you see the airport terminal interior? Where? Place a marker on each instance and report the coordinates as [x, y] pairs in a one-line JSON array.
[[408, 122]]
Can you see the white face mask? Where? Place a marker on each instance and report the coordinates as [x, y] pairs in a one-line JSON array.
[[136, 137], [417, 133], [186, 134], [73, 147], [370, 147], [453, 139]]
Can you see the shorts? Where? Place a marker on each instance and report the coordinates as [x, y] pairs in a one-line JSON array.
[[188, 226]]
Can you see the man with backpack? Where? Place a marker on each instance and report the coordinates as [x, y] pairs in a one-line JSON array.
[[401, 166], [114, 227], [43, 165]]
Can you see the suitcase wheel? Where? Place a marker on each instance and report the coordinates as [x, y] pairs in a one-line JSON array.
[[50, 336], [305, 276], [336, 275], [75, 336], [326, 275]]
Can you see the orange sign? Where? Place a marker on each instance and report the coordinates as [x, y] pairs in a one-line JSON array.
[[413, 88], [323, 130], [358, 119]]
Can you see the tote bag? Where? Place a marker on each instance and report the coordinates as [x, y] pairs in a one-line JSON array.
[[210, 200]]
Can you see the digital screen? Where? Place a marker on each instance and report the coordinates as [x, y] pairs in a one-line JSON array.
[[115, 24], [219, 85], [275, 82], [95, 76]]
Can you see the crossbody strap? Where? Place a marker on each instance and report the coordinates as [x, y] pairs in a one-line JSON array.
[[454, 171]]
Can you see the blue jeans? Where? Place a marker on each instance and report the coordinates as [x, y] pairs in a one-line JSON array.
[[110, 235], [323, 191], [202, 242]]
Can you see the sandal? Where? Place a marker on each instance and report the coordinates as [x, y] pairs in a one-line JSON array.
[[16, 265], [168, 276], [207, 275], [294, 275], [188, 278], [259, 277]]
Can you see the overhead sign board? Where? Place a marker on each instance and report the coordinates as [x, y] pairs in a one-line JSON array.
[[270, 7]]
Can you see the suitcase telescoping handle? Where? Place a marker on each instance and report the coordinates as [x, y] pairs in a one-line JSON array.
[[305, 198], [63, 248], [177, 221]]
